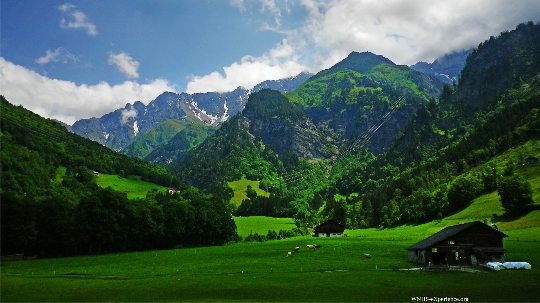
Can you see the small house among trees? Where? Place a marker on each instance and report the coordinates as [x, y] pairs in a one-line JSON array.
[[465, 244], [172, 190], [329, 228]]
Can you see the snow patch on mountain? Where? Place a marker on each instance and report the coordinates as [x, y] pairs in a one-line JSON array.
[[135, 128]]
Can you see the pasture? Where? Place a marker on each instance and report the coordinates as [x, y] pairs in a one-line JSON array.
[[133, 187], [261, 225], [259, 271], [239, 188]]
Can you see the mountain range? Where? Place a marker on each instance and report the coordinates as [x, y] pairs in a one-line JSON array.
[[118, 129], [447, 68], [138, 130]]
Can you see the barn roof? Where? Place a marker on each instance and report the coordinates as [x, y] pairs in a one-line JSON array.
[[331, 222], [446, 233]]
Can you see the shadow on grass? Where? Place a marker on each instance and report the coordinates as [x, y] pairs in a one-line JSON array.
[[73, 275], [507, 217]]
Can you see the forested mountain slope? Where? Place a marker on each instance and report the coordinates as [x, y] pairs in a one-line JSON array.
[[52, 206], [276, 137], [494, 107], [398, 140]]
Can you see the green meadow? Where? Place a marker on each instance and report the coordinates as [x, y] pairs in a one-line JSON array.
[[261, 225], [132, 186], [239, 187], [259, 271]]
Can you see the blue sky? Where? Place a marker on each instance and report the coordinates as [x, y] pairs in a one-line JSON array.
[[76, 59]]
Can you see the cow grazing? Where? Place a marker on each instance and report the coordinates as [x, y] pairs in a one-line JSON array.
[[367, 256], [296, 249], [288, 254], [310, 246]]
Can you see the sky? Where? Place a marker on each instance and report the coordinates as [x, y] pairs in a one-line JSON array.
[[76, 59]]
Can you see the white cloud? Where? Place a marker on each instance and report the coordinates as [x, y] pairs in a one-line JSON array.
[[66, 7], [403, 31], [68, 102], [272, 7], [125, 64], [77, 19], [280, 62], [58, 54], [410, 31], [239, 4], [128, 113]]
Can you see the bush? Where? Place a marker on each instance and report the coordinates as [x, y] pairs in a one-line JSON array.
[[463, 191], [516, 193]]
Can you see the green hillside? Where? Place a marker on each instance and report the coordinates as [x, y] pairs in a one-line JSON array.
[[239, 187], [161, 134], [261, 225], [53, 204], [131, 186]]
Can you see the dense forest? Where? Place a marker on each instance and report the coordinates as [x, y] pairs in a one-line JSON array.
[[52, 205]]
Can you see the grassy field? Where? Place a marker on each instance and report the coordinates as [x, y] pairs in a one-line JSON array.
[[132, 187], [247, 272], [261, 225], [239, 187], [260, 272]]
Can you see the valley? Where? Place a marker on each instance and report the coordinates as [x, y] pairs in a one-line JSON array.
[[391, 152]]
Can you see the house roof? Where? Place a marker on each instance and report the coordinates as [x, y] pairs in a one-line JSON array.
[[331, 222], [446, 233]]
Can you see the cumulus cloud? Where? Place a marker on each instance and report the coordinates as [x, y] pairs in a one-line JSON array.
[[403, 31], [125, 64], [280, 62], [409, 31], [68, 102], [76, 19], [57, 55]]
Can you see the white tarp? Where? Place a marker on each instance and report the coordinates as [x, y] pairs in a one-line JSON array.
[[517, 265], [494, 265], [508, 265]]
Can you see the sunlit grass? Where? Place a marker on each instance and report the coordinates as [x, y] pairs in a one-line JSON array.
[[239, 187], [132, 187], [261, 225]]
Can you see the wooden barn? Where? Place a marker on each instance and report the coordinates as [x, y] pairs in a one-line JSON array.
[[329, 228], [465, 244]]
